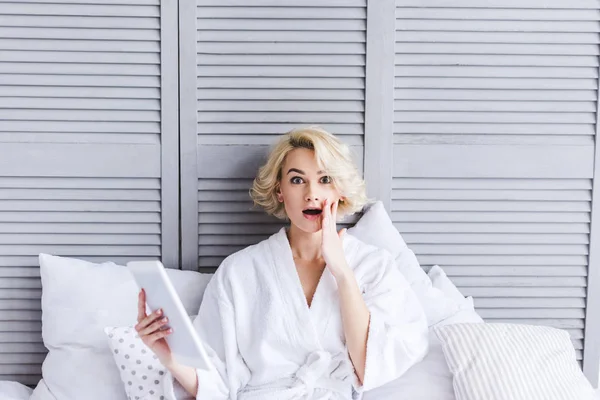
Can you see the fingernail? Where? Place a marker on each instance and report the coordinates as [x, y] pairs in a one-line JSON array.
[[159, 312]]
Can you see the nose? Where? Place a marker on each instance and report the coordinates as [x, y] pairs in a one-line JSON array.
[[310, 197], [311, 193]]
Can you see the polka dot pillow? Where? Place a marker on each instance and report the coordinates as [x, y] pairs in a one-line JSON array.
[[141, 372]]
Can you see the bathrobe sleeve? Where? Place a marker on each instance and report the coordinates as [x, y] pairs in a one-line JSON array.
[[215, 324], [397, 336]]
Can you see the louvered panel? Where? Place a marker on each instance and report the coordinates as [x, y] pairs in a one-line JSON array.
[[529, 96], [500, 37], [20, 337], [262, 68], [30, 379], [21, 315], [246, 46], [19, 272], [494, 184], [511, 4], [287, 3], [523, 60], [507, 220], [229, 223], [500, 205], [499, 226], [28, 261], [12, 358], [524, 302], [462, 239], [30, 369], [35, 222], [83, 34], [485, 259], [73, 69], [146, 62], [516, 54], [497, 106], [85, 169], [99, 67], [15, 348], [514, 270], [71, 8], [519, 270], [25, 326], [115, 2], [510, 227]]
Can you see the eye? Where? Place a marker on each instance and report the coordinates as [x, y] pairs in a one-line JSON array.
[[296, 180], [326, 179]]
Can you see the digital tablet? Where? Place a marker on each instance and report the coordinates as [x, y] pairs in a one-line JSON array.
[[184, 342]]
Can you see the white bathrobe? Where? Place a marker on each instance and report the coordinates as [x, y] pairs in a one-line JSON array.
[[266, 343]]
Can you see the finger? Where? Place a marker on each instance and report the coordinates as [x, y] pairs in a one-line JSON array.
[[342, 232], [334, 211], [141, 305], [148, 320], [159, 335], [153, 327], [325, 214]]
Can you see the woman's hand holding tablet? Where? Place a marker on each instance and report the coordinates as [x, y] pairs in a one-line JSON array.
[[152, 330], [181, 343]]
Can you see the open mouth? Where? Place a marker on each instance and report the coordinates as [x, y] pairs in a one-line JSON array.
[[312, 211]]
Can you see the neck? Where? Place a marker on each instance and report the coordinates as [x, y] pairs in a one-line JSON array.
[[305, 246]]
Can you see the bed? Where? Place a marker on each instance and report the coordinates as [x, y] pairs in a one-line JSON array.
[[17, 391], [83, 325]]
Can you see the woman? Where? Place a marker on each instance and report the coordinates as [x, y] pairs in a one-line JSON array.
[[310, 312]]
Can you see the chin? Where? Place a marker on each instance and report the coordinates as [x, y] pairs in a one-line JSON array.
[[308, 226], [313, 229]]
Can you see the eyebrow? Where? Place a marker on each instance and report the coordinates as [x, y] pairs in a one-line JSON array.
[[302, 172]]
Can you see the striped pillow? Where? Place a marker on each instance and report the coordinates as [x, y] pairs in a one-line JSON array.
[[512, 362]]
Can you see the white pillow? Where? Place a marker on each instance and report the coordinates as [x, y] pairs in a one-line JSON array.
[[14, 391], [440, 280], [140, 370], [79, 299], [376, 228], [430, 379], [512, 362]]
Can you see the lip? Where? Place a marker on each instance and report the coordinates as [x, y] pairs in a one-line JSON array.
[[311, 217], [315, 207]]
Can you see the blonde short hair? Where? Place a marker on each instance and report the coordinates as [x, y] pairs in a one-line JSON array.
[[333, 156]]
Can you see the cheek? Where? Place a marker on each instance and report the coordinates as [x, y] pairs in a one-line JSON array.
[[293, 199], [290, 194], [333, 193]]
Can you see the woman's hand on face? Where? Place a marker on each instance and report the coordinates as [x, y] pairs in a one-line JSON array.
[[332, 249], [151, 329]]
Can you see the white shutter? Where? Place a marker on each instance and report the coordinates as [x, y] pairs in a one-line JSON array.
[[495, 117], [88, 150]]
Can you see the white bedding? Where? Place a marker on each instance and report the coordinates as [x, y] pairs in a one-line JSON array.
[[14, 391]]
